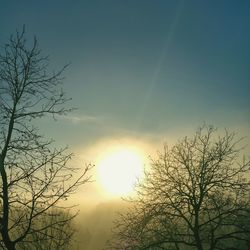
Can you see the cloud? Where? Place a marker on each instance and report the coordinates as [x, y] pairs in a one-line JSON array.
[[76, 119]]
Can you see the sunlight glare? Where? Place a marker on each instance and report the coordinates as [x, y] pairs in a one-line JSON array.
[[119, 170]]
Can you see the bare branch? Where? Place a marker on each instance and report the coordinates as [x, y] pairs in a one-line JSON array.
[[195, 194], [35, 177]]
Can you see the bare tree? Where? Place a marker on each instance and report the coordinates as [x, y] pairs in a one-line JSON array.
[[35, 176], [194, 196]]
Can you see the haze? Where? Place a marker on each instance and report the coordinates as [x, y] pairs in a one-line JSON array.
[[141, 73]]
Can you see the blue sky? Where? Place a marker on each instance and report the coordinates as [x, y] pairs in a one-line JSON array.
[[141, 68]]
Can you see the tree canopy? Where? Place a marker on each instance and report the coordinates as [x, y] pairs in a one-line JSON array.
[[195, 195]]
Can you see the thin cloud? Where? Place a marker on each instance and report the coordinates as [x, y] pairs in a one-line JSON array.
[[76, 119]]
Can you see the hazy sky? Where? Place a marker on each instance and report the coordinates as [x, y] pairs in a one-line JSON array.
[[142, 70]]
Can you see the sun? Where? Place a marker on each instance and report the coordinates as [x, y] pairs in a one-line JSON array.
[[119, 170]]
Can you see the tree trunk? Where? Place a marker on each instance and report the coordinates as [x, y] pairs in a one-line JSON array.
[[196, 231], [5, 217], [9, 244], [198, 242]]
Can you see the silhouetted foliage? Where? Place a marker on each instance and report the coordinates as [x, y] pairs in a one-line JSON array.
[[194, 196], [35, 176]]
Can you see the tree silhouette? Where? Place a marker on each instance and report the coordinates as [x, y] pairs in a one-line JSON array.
[[194, 196], [35, 176]]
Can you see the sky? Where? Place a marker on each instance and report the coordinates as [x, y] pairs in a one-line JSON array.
[[142, 68], [142, 72]]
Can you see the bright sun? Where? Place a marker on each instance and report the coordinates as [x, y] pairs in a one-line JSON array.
[[119, 169]]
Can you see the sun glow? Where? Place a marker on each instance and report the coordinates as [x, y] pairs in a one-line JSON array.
[[119, 170]]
